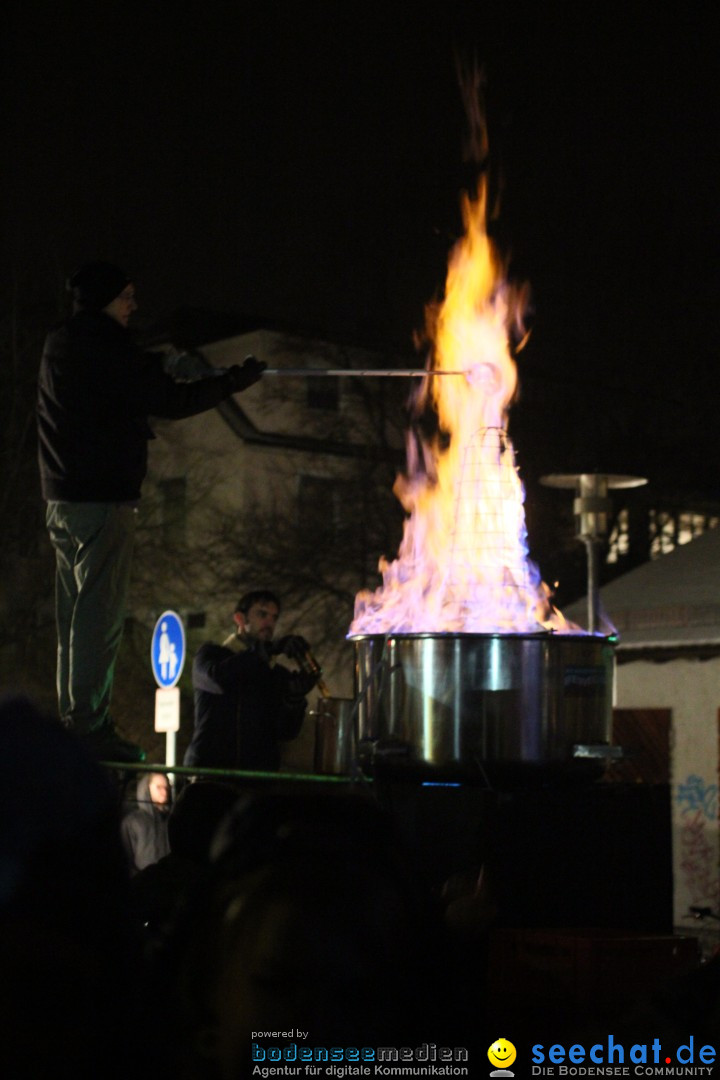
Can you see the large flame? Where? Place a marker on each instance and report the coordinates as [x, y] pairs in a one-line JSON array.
[[463, 561]]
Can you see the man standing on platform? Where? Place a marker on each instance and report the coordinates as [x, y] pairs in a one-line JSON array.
[[96, 391], [245, 702]]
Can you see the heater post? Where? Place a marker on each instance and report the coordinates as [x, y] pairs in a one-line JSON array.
[[593, 547], [592, 509]]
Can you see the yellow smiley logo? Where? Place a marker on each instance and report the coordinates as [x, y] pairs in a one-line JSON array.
[[502, 1053]]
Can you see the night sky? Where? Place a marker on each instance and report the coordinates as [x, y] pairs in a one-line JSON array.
[[301, 164]]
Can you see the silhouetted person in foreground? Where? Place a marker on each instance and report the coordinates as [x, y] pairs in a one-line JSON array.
[[70, 962], [308, 918]]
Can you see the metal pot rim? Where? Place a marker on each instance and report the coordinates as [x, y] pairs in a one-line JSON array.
[[502, 635]]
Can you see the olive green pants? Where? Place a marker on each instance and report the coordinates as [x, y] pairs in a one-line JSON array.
[[93, 545]]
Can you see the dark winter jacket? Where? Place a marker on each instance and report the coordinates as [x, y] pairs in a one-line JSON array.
[[144, 831], [96, 390], [243, 706]]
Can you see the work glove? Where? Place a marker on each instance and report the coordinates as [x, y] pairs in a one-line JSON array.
[[249, 373], [292, 646], [299, 685]]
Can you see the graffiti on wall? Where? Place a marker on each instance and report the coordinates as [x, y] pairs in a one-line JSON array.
[[696, 803]]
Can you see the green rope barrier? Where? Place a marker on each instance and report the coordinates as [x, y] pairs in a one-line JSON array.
[[248, 774]]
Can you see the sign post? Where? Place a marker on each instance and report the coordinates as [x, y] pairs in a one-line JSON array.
[[167, 656]]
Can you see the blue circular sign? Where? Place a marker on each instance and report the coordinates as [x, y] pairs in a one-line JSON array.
[[167, 652]]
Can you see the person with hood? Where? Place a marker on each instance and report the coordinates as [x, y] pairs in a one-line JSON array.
[[161, 889], [144, 831], [96, 391]]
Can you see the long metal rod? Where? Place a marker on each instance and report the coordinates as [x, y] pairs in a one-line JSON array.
[[362, 373]]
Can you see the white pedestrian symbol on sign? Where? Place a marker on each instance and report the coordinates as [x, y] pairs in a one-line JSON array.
[[167, 655]]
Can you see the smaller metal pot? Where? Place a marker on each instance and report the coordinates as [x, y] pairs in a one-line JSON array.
[[334, 738]]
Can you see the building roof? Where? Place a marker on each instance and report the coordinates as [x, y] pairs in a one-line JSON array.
[[671, 603]]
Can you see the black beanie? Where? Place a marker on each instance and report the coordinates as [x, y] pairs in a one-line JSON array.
[[96, 284]]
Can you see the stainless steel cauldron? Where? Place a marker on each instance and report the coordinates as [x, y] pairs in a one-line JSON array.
[[468, 699], [334, 743]]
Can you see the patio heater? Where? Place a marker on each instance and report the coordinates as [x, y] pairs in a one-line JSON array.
[[592, 506]]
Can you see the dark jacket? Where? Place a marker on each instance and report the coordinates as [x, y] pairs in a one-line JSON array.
[[96, 390], [243, 707], [144, 831]]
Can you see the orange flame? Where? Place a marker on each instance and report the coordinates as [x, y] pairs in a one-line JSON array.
[[463, 561]]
